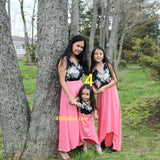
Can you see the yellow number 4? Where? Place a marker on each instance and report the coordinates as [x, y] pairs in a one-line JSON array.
[[89, 80]]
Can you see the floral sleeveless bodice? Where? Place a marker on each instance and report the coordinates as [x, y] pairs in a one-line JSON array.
[[101, 78], [85, 109], [74, 72]]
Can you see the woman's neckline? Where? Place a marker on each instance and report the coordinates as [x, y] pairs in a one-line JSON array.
[[74, 62], [102, 68]]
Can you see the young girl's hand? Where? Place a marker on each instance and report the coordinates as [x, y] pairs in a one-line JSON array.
[[101, 90], [96, 115], [94, 90], [78, 104]]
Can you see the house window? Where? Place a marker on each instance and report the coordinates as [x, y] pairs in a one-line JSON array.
[[17, 47]]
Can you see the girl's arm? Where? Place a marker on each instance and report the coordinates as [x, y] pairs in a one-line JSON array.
[[77, 103], [62, 74], [95, 114], [94, 89], [113, 81]]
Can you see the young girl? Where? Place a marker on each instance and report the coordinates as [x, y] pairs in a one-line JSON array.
[[71, 66], [87, 129], [109, 114]]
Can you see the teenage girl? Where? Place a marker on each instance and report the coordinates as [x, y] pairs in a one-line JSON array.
[[71, 66], [109, 112], [86, 123]]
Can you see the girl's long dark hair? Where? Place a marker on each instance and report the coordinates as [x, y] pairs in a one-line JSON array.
[[105, 59], [82, 57], [92, 98]]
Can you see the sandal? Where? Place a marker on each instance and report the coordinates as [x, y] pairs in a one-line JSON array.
[[65, 157], [99, 149]]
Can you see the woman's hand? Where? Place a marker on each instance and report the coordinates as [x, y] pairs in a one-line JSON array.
[[71, 100]]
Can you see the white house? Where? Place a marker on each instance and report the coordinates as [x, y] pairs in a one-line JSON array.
[[19, 44]]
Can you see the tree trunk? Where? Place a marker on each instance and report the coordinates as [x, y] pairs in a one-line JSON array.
[[9, 13], [107, 11], [33, 19], [114, 33], [102, 24], [14, 108], [52, 40], [93, 28], [29, 58], [75, 18]]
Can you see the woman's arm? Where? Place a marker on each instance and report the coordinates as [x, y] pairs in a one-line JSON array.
[[113, 81], [62, 74]]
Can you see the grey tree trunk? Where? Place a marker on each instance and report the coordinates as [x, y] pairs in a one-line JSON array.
[[102, 24], [34, 137], [93, 28], [14, 108], [112, 45], [29, 59], [52, 40], [107, 11], [9, 13], [75, 18], [33, 19]]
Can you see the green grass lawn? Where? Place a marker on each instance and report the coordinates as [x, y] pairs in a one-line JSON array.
[[139, 94]]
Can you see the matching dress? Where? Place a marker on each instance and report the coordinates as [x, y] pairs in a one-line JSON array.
[[75, 126], [68, 119], [109, 112], [87, 128]]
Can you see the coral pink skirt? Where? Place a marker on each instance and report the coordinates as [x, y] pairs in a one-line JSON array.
[[87, 129], [68, 119], [109, 118]]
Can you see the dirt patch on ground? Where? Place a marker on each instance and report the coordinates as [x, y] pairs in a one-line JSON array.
[[154, 119]]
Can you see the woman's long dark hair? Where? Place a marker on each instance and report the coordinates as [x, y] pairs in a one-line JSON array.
[[82, 57], [92, 98], [105, 59]]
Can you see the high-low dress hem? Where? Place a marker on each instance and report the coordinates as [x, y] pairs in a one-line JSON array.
[[109, 118]]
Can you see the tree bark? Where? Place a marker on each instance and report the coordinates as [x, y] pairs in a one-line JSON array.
[[75, 18], [93, 28], [52, 40], [14, 108]]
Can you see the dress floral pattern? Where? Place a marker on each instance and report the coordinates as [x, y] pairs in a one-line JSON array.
[[74, 72], [101, 78], [86, 108]]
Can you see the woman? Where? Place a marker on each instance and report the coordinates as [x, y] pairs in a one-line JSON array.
[[71, 66]]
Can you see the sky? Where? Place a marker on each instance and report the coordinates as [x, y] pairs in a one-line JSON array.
[[16, 18]]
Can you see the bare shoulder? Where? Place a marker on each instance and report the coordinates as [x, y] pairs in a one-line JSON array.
[[110, 66], [62, 63]]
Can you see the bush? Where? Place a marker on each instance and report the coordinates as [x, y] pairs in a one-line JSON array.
[[122, 63], [130, 56], [151, 62]]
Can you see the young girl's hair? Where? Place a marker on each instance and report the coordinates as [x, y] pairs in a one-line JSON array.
[[105, 59], [82, 57], [92, 98]]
